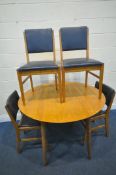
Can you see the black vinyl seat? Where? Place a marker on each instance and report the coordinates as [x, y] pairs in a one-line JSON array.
[[91, 124], [38, 41], [80, 62], [27, 121], [77, 38], [38, 65]]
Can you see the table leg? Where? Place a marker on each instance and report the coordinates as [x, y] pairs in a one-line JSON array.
[[44, 143], [88, 137]]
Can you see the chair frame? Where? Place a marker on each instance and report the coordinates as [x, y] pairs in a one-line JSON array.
[[38, 72], [89, 129], [20, 129], [88, 69]]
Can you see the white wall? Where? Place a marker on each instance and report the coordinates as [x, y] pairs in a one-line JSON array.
[[17, 15]]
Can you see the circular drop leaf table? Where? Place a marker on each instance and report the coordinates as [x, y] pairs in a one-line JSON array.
[[44, 105]]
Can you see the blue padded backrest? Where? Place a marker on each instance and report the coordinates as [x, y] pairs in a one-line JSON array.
[[39, 40], [74, 38]]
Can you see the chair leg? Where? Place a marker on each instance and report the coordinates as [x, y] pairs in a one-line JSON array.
[[63, 86], [101, 81], [18, 140], [107, 125], [88, 137], [56, 84], [44, 143], [21, 87], [86, 78], [60, 88], [31, 81]]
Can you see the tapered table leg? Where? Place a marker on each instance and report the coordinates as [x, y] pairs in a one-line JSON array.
[[44, 143], [88, 138]]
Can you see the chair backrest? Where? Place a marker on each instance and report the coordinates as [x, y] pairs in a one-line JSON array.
[[12, 106], [39, 40], [109, 94], [74, 38]]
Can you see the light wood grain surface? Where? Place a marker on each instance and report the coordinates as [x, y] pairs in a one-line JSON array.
[[44, 104]]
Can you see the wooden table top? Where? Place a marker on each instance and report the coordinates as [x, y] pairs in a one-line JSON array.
[[44, 104]]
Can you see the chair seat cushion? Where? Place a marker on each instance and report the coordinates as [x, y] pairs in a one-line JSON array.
[[26, 121], [38, 65], [98, 113], [80, 62]]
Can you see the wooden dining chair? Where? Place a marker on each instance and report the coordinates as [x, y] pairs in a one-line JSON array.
[[91, 124], [24, 125], [38, 41], [77, 38]]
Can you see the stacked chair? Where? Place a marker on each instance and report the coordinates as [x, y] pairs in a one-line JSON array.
[[77, 38], [38, 41]]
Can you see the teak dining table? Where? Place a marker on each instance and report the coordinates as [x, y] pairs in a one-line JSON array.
[[44, 105]]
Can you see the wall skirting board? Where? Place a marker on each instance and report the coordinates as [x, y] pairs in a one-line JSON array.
[[5, 117]]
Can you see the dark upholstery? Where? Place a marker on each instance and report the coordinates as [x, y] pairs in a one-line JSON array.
[[26, 121], [12, 104], [74, 38], [80, 62], [39, 40], [100, 113], [107, 91], [38, 65]]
